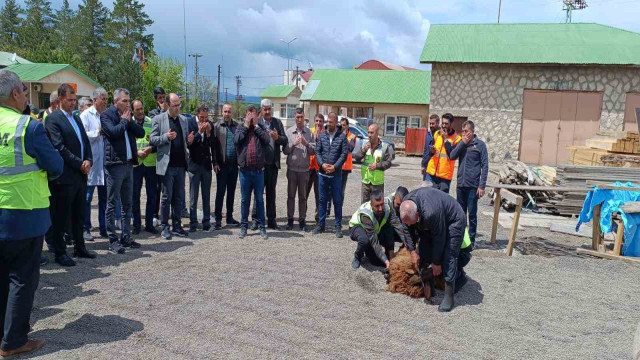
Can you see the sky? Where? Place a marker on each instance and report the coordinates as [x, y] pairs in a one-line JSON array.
[[244, 36]]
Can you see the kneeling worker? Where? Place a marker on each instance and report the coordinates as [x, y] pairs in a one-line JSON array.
[[376, 228], [437, 221], [395, 199]]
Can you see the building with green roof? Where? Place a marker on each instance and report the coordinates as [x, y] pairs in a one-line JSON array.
[[43, 79], [285, 99], [535, 89], [394, 99]]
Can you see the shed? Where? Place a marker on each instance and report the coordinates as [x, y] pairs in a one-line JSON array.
[[285, 99]]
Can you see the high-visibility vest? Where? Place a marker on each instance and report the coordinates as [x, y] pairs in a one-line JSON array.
[[348, 164], [144, 142], [23, 185], [365, 209], [440, 165], [313, 162], [466, 240], [375, 177]]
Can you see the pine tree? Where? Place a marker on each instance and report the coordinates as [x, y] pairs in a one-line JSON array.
[[128, 25], [35, 34], [64, 21], [92, 19], [10, 22]]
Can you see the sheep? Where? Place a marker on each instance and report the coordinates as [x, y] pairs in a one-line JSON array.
[[404, 279]]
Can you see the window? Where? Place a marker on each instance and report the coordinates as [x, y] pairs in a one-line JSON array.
[[287, 111], [397, 125]]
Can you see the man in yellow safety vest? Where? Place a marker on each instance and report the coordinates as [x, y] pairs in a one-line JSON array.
[[377, 159]]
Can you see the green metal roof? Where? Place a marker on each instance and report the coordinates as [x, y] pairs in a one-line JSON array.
[[277, 91], [531, 44], [6, 59], [369, 86], [37, 72]]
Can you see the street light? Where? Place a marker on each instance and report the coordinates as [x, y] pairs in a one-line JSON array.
[[288, 60]]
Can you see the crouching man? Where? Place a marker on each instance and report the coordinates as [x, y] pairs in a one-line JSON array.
[[437, 221], [375, 227]]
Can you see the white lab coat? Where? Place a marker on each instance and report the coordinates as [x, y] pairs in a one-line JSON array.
[[91, 122]]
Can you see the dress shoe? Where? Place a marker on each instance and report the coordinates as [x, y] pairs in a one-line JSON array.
[[273, 225], [318, 230], [29, 346], [82, 252], [218, 225], [289, 225], [86, 235], [116, 248], [193, 228], [232, 222], [339, 233], [180, 232], [67, 239], [355, 263], [254, 225], [166, 234], [206, 227], [103, 234], [65, 260], [151, 230], [303, 226], [135, 230], [447, 303]]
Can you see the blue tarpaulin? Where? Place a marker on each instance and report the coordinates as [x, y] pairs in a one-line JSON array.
[[611, 201]]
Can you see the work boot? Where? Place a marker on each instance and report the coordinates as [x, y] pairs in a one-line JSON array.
[[339, 233], [355, 264], [447, 303]]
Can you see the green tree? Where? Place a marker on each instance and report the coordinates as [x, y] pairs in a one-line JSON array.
[[128, 26], [92, 21], [163, 72], [64, 29], [10, 23], [126, 73], [35, 34]]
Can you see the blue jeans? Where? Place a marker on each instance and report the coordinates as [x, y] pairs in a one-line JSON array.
[[102, 207], [468, 199], [119, 181], [148, 174], [333, 186], [251, 180], [172, 197]]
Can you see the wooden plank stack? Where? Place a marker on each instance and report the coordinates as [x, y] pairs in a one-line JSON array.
[[518, 173], [598, 151]]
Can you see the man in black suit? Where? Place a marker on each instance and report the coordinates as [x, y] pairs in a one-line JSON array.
[[120, 131], [69, 190]]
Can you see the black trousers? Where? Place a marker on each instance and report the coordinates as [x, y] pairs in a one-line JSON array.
[[227, 180], [386, 238], [452, 259], [67, 203], [19, 277], [270, 182]]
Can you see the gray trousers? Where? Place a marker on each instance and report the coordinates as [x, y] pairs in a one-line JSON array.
[[367, 189], [172, 196], [119, 179], [297, 182], [200, 178]]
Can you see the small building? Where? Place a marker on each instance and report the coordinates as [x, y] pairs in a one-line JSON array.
[[534, 89], [381, 65], [285, 99], [393, 99], [43, 79]]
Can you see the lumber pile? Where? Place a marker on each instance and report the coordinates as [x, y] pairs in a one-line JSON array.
[[608, 148], [518, 173]]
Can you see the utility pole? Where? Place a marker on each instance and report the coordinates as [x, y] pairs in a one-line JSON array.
[[570, 5], [297, 75], [226, 95], [196, 56], [217, 94], [499, 8], [239, 97], [288, 59], [186, 72]]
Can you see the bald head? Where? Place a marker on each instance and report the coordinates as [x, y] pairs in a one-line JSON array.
[[408, 212], [373, 133], [174, 105]]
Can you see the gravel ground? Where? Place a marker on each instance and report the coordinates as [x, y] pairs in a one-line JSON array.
[[295, 296]]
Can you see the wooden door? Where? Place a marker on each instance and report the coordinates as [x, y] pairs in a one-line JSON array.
[[632, 102]]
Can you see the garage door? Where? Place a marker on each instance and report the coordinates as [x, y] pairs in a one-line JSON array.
[[632, 102], [553, 120]]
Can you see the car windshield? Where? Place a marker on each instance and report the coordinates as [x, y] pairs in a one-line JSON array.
[[358, 130]]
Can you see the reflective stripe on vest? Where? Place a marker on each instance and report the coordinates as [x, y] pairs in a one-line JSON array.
[[440, 165], [365, 209], [375, 177], [348, 164], [23, 185]]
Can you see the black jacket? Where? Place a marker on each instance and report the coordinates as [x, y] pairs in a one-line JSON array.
[[473, 163], [443, 218], [262, 142], [200, 149], [272, 155], [113, 129], [334, 153], [64, 139]]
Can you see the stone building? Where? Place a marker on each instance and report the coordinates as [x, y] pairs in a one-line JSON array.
[[394, 99], [534, 89]]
